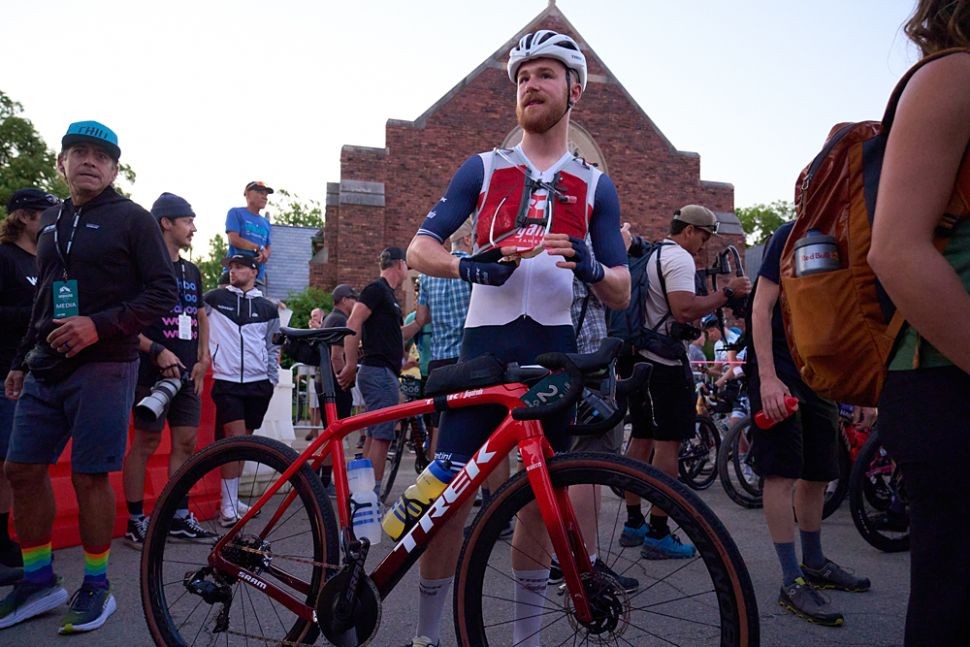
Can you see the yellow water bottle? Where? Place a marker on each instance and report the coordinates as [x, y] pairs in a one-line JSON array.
[[417, 498]]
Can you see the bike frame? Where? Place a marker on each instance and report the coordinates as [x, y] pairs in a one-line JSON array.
[[554, 505]]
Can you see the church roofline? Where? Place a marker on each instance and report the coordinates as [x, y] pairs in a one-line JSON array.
[[495, 60]]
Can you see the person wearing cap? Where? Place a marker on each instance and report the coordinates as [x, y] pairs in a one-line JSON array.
[[104, 275], [520, 306], [245, 366], [663, 413], [247, 230], [173, 346], [18, 276], [344, 297], [378, 324]]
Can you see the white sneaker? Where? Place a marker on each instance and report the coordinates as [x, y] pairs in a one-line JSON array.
[[228, 516], [422, 641]]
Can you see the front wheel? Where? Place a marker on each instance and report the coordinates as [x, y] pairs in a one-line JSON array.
[[292, 544], [705, 599]]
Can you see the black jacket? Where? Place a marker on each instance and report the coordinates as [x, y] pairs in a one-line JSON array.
[[123, 270]]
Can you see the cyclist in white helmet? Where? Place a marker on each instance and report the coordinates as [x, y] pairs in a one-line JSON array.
[[520, 309]]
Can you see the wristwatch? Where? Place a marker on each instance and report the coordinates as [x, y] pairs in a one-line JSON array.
[[728, 292]]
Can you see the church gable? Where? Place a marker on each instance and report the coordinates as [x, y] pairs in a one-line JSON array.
[[652, 177]]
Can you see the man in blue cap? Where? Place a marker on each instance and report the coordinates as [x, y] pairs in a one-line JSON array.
[[174, 346], [104, 275]]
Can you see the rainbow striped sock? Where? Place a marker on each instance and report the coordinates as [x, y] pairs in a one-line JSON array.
[[96, 565], [38, 563]]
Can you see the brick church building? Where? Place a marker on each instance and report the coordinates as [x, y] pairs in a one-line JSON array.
[[384, 193]]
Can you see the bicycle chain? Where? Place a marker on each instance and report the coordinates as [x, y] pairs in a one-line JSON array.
[[292, 558]]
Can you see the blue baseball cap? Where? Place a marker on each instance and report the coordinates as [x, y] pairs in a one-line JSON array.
[[92, 132]]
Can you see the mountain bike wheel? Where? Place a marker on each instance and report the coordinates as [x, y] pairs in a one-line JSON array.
[[837, 490], [877, 498], [704, 600], [697, 463], [395, 452], [185, 602], [737, 478]]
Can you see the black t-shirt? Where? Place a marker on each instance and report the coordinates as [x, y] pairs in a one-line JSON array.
[[382, 340], [166, 330], [771, 270], [18, 279]]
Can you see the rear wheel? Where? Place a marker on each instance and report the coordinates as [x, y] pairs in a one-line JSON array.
[[187, 602], [706, 599], [877, 498], [738, 479], [697, 462]]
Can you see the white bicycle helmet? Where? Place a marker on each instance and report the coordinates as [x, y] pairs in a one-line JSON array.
[[548, 44]]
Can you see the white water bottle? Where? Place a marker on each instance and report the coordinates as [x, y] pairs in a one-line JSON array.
[[364, 508]]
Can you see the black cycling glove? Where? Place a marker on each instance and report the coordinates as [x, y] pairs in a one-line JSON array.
[[485, 268], [588, 269]]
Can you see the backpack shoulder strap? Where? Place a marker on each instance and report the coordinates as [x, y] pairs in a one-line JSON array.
[[663, 285], [890, 114]]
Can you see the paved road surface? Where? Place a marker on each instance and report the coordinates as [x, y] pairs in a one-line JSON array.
[[875, 618]]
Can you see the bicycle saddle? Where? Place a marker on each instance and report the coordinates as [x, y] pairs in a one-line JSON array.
[[322, 335]]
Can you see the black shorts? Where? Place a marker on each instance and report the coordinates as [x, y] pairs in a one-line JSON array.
[[664, 409], [804, 446], [183, 410], [247, 401]]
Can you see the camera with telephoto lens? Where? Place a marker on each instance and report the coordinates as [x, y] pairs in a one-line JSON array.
[[153, 405], [684, 332]]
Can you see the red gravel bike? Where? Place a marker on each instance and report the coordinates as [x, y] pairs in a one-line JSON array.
[[291, 572]]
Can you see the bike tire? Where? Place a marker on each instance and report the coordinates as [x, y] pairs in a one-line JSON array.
[[302, 543], [697, 464], [729, 468], [419, 435], [720, 610], [867, 500], [835, 496], [394, 463]]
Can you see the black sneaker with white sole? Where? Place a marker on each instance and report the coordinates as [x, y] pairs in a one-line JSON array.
[[189, 529], [135, 532], [628, 584]]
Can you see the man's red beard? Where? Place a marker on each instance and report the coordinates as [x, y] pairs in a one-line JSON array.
[[541, 120]]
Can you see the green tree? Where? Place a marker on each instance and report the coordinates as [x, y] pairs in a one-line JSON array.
[[25, 159], [211, 266], [289, 209], [761, 220]]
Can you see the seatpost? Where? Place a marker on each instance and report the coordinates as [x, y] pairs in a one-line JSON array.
[[327, 396]]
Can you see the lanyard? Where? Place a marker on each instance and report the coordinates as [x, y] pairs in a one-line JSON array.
[[65, 256], [181, 265]]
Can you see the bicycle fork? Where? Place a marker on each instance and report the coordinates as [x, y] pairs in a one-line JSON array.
[[560, 520]]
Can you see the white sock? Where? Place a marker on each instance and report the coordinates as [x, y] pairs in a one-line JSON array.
[[431, 605], [230, 494], [530, 606]]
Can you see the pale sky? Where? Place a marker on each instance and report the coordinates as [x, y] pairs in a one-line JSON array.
[[205, 96]]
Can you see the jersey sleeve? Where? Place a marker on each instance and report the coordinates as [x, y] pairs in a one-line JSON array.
[[372, 296], [232, 222], [771, 263], [458, 202], [604, 225]]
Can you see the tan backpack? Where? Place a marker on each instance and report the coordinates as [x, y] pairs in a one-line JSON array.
[[840, 325]]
